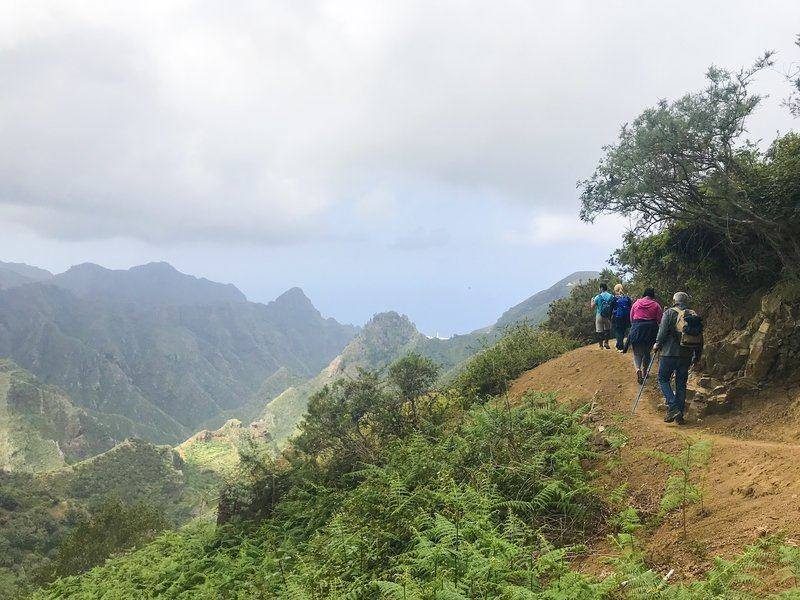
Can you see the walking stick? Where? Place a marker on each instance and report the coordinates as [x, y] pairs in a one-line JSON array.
[[644, 381]]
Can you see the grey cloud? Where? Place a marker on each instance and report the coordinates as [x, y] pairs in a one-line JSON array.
[[264, 120]]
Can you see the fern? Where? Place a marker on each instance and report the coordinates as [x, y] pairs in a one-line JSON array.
[[681, 489]]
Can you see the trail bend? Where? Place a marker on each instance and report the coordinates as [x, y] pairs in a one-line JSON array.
[[752, 480]]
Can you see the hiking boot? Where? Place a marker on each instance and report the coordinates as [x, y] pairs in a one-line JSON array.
[[672, 415], [639, 377], [607, 347], [679, 419]]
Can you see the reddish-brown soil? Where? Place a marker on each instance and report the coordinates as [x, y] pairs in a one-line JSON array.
[[751, 481]]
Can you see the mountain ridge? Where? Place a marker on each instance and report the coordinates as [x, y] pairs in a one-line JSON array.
[[389, 335], [14, 274], [154, 283], [145, 363]]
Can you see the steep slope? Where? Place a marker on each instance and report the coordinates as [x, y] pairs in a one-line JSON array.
[[146, 366], [38, 509], [534, 309], [383, 339], [40, 429], [751, 483]]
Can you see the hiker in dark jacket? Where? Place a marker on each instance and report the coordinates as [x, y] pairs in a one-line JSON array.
[[645, 316], [676, 357], [621, 318]]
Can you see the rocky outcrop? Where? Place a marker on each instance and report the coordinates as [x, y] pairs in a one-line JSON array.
[[745, 360], [768, 346]]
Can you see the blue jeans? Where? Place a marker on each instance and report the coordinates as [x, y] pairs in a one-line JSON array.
[[620, 328], [676, 401]]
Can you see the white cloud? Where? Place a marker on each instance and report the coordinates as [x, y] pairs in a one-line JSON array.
[[554, 229], [257, 120]]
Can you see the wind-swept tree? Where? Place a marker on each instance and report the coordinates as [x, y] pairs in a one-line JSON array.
[[685, 163]]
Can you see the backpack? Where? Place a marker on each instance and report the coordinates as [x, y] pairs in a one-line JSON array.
[[622, 307], [690, 326], [606, 305]]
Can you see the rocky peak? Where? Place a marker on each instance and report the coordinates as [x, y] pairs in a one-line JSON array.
[[294, 297]]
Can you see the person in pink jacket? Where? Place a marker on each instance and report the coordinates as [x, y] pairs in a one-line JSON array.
[[645, 317]]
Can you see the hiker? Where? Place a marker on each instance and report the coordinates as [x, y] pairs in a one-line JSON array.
[[645, 317], [680, 341], [621, 316], [603, 309]]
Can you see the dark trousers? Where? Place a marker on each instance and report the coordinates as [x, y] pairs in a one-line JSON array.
[[620, 328], [669, 365]]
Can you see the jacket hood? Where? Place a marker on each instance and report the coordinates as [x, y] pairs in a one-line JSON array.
[[647, 302]]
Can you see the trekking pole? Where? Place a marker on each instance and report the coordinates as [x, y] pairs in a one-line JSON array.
[[644, 381]]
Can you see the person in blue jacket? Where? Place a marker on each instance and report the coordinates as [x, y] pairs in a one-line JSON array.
[[603, 305], [621, 318]]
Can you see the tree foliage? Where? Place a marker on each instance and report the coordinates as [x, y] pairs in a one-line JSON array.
[[113, 528], [684, 166], [413, 375]]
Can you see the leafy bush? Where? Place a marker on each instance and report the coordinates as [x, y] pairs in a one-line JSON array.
[[522, 347], [685, 163], [461, 508], [711, 212], [113, 528], [413, 375]]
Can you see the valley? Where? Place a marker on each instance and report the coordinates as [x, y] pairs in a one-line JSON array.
[[138, 387]]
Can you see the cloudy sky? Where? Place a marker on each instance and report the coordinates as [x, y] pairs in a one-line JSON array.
[[414, 155]]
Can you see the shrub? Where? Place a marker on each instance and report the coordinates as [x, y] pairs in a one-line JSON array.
[[522, 347], [113, 528], [475, 507]]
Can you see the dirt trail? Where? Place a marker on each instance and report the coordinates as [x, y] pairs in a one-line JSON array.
[[752, 482]]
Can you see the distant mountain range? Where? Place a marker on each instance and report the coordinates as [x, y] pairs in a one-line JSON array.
[[16, 274], [155, 353], [100, 368], [389, 335], [153, 284]]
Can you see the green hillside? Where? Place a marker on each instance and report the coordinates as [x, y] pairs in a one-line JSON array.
[[40, 429], [534, 309], [40, 511], [478, 498], [162, 364], [388, 336]]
